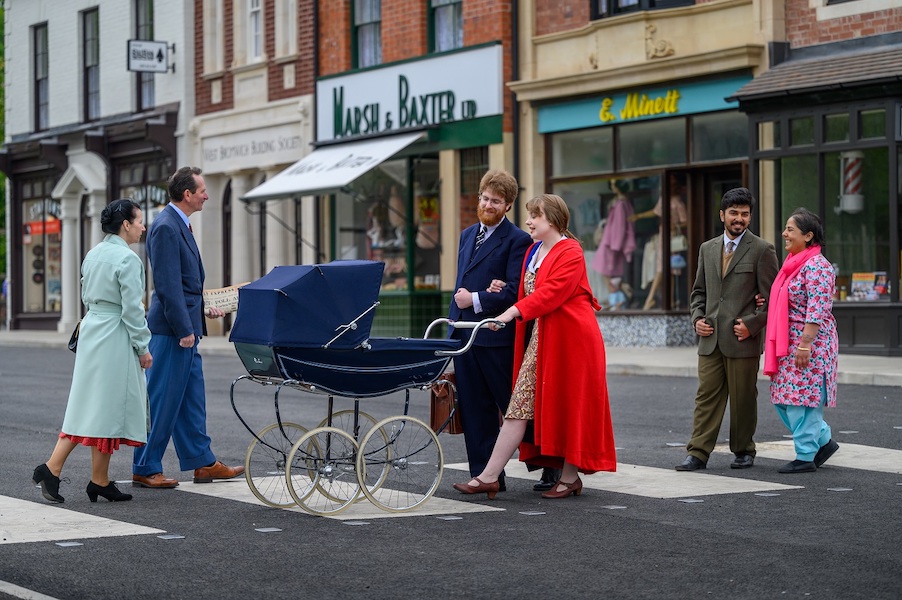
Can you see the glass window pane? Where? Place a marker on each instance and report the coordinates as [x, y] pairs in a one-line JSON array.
[[719, 136], [836, 128], [857, 222], [873, 124], [583, 152], [769, 135], [658, 142], [427, 250], [801, 131], [449, 32]]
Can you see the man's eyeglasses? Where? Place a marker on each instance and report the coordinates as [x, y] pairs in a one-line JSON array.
[[492, 201]]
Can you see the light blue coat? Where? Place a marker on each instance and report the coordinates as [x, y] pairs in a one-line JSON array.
[[108, 397]]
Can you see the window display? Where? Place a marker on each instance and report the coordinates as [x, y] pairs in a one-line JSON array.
[[41, 287]]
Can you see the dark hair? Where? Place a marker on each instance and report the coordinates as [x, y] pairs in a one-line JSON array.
[[808, 222], [117, 211], [737, 197], [182, 180]]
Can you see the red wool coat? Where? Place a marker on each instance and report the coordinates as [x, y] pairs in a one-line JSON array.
[[572, 414]]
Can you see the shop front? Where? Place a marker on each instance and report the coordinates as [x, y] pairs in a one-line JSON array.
[[614, 158], [826, 134], [398, 148]]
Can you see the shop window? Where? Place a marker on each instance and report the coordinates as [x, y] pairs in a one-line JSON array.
[[872, 124], [447, 24], [625, 263], [144, 31], [41, 79], [652, 143], [720, 136], [855, 213], [41, 285], [836, 128], [91, 54], [474, 162], [801, 131], [214, 53], [368, 32], [583, 152], [769, 135]]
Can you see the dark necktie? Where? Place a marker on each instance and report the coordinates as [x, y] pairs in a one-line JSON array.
[[480, 238], [191, 229]]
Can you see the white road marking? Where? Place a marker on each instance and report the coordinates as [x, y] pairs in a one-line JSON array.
[[238, 490], [25, 521], [653, 482], [852, 456], [16, 591]]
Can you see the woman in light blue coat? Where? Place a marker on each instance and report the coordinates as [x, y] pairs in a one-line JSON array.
[[108, 398]]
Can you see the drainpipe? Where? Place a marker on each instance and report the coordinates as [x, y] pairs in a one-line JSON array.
[[515, 105]]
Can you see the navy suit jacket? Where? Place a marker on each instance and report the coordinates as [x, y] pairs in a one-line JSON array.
[[177, 307], [499, 257]]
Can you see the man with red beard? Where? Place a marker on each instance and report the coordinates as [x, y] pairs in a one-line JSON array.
[[491, 249], [734, 269]]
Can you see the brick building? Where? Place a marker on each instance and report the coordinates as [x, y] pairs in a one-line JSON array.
[[639, 100]]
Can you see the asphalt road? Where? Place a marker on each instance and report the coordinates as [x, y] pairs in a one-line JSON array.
[[805, 542]]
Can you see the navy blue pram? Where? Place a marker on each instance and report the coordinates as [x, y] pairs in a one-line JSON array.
[[308, 328]]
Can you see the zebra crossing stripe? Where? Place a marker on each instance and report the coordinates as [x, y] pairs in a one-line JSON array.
[[11, 589], [851, 456], [25, 521]]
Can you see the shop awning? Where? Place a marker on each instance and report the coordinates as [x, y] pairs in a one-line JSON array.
[[330, 168], [825, 73]]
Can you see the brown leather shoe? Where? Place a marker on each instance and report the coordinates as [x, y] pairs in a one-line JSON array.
[[157, 480], [217, 471]]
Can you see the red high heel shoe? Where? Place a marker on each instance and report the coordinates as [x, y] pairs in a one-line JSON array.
[[575, 488], [489, 488]]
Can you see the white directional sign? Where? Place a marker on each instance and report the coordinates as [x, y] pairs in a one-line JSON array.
[[148, 56]]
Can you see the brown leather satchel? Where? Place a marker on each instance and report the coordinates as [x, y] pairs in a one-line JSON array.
[[443, 399]]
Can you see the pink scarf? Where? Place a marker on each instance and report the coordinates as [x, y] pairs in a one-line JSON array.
[[776, 343]]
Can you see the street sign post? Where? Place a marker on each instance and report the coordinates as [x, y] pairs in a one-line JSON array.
[[147, 56]]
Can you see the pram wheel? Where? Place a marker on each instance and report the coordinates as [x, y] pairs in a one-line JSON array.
[[344, 420], [400, 463], [321, 473], [265, 462]]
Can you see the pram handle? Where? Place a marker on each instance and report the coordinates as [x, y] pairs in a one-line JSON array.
[[474, 325]]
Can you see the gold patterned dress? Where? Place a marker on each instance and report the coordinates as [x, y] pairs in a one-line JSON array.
[[523, 398]]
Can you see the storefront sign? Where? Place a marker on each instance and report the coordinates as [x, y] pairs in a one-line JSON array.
[[641, 104], [453, 87], [147, 56], [252, 149]]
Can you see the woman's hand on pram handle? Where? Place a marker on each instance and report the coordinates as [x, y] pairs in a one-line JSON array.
[[495, 325]]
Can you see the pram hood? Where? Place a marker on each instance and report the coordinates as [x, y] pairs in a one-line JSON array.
[[304, 306]]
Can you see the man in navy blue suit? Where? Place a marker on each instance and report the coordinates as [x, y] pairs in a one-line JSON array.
[[494, 248], [175, 383]]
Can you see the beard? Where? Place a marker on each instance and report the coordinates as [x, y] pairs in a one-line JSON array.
[[490, 217]]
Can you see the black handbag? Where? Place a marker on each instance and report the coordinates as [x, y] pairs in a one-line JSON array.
[[73, 340]]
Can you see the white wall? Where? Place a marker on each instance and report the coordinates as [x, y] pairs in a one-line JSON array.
[[173, 23]]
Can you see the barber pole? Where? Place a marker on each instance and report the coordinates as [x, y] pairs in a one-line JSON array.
[[851, 198]]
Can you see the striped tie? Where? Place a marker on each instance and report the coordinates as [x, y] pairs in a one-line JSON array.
[[480, 238]]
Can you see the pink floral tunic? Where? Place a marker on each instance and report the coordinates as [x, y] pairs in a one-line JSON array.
[[810, 301]]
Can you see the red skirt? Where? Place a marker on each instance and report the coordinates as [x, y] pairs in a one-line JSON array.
[[104, 445]]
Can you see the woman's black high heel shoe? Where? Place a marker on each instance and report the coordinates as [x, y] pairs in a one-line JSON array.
[[109, 491], [50, 483]]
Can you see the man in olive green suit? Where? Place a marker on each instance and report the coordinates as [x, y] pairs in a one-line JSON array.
[[732, 269]]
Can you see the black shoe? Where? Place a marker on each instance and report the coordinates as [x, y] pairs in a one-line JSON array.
[[742, 461], [109, 491], [502, 485], [50, 483], [690, 464], [548, 480], [826, 451], [798, 466]]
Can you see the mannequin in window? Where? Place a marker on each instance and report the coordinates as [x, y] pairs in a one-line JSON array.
[[618, 238]]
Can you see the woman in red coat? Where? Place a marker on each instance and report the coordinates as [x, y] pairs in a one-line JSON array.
[[560, 363]]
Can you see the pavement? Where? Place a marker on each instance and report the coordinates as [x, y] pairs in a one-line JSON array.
[[673, 362]]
